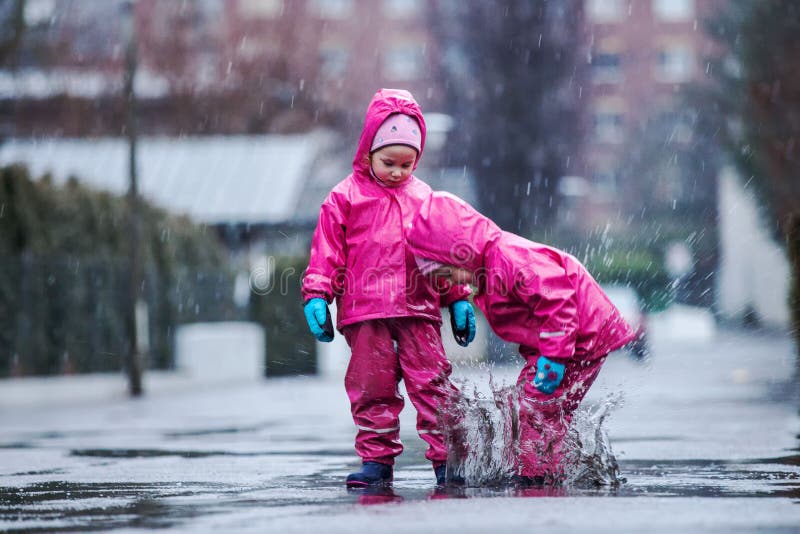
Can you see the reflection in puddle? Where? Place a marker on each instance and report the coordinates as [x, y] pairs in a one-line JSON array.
[[377, 495], [16, 445], [156, 453], [145, 453], [60, 506], [213, 431], [64, 506], [713, 478], [43, 472]]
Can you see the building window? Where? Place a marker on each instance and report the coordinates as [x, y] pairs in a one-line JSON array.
[[333, 61], [253, 48], [603, 11], [261, 9], [605, 182], [403, 62], [608, 127], [609, 120], [402, 9], [332, 9], [210, 10], [39, 11], [674, 10], [675, 63], [606, 68]]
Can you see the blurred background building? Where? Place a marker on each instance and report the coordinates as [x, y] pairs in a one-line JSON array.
[[642, 56], [213, 66], [589, 124]]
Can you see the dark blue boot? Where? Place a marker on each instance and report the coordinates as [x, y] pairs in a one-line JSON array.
[[443, 480], [371, 474], [523, 481]]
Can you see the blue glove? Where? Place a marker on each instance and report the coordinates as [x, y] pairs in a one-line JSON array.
[[549, 375], [462, 320], [318, 317]]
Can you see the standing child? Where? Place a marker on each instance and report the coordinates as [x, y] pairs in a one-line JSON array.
[[387, 310], [534, 295]]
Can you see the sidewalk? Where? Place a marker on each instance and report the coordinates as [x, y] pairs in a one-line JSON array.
[[208, 355], [702, 446], [99, 387], [676, 326]]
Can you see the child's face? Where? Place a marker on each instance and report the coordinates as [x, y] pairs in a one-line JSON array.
[[393, 164], [457, 275]]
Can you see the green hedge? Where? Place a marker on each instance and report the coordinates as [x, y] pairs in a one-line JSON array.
[[275, 303], [64, 276], [639, 268], [635, 256]]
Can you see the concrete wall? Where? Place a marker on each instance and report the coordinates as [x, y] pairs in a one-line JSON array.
[[754, 272], [220, 352]]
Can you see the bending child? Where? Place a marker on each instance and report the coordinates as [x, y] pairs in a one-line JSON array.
[[537, 296], [388, 312]]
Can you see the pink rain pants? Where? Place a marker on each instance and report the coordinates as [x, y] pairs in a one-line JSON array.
[[545, 418], [384, 351]]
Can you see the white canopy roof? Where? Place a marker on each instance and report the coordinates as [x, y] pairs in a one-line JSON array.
[[243, 179]]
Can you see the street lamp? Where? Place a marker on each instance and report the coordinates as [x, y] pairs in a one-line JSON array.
[[135, 308]]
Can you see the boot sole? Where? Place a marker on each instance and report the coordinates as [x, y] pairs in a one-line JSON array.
[[357, 484]]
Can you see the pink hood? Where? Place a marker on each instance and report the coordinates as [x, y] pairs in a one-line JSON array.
[[358, 253], [531, 294], [384, 103]]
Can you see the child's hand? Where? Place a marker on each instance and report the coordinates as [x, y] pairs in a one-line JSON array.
[[318, 317], [462, 319], [549, 375]]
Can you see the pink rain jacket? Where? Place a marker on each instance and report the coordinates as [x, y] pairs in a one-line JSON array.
[[358, 253], [531, 294]]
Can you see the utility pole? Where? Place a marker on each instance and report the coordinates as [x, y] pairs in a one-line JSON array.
[[134, 306]]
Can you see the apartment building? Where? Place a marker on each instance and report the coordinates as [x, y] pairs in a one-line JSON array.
[[240, 65], [642, 54], [283, 65], [338, 52]]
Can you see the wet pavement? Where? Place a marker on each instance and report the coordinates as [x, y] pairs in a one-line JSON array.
[[704, 433]]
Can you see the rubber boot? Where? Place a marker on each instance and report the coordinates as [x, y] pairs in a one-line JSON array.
[[371, 474], [441, 476]]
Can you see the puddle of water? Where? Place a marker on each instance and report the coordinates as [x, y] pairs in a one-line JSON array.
[[16, 445], [713, 478], [60, 506], [64, 506], [488, 423], [145, 453], [482, 432], [213, 431], [156, 453], [42, 472]]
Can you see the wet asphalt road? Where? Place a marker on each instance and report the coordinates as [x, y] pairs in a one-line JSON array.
[[706, 438]]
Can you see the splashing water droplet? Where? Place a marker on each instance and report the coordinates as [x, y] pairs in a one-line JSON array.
[[482, 433]]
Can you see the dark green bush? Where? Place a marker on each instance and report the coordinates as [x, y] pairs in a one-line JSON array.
[[639, 268], [64, 276], [275, 303], [635, 255]]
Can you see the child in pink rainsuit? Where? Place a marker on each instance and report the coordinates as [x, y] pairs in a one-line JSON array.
[[536, 296], [387, 310]]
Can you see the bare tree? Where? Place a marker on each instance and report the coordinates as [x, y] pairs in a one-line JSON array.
[[757, 96], [512, 87], [12, 29]]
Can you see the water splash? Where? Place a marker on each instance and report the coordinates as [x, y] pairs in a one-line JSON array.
[[482, 433], [590, 461]]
